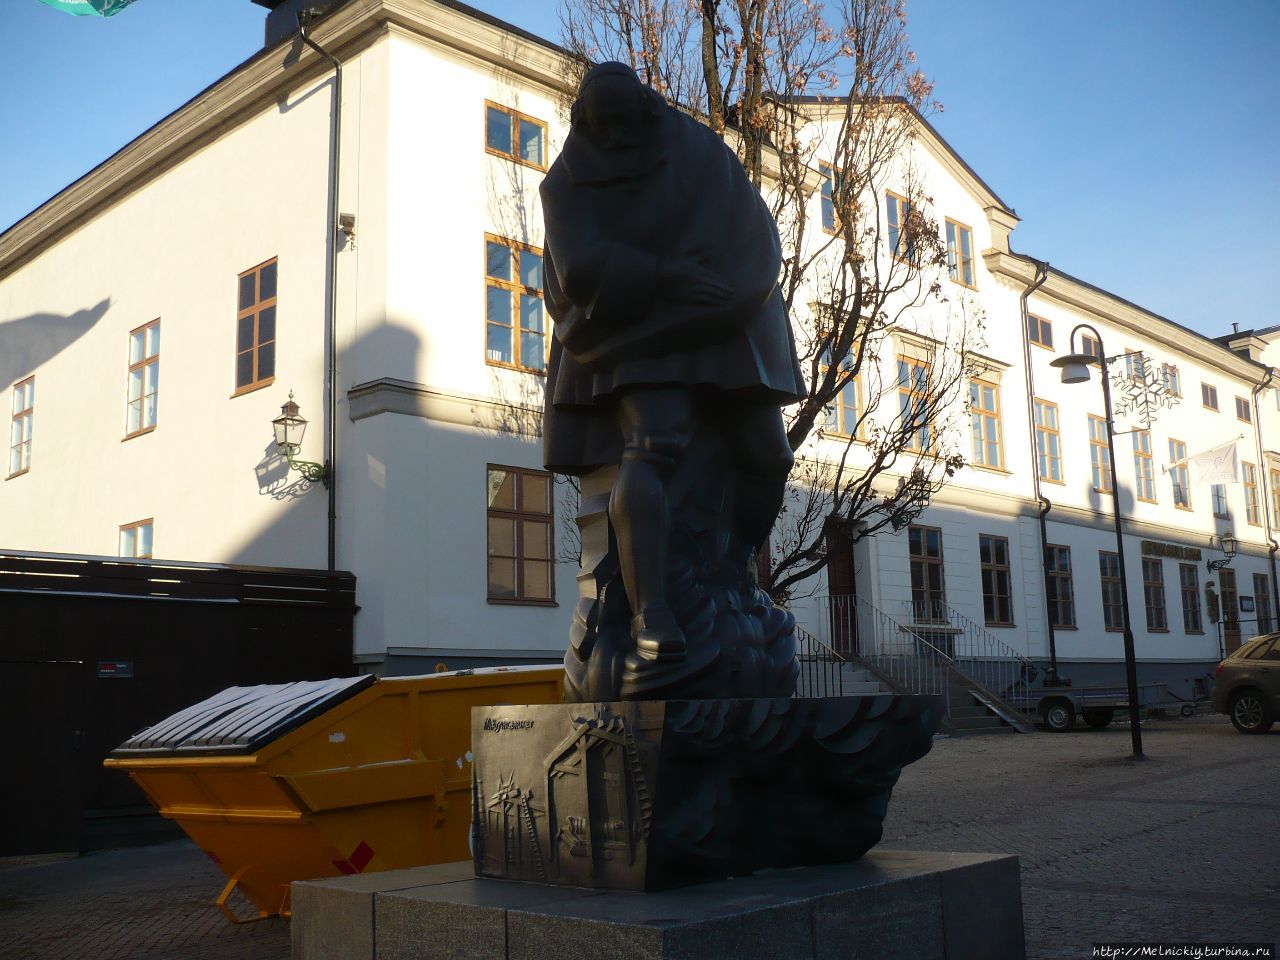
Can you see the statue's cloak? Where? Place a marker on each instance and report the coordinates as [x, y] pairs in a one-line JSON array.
[[613, 218]]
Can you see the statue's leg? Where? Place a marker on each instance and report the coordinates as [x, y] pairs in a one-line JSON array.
[[656, 423]]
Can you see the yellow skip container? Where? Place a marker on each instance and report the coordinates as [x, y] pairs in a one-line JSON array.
[[296, 781]]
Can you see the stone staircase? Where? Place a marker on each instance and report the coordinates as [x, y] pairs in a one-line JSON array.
[[967, 714], [826, 673], [905, 661]]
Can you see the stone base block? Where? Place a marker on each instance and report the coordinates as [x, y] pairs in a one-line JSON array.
[[890, 905]]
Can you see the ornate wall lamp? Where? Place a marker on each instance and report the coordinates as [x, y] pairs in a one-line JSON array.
[[290, 427], [1227, 544]]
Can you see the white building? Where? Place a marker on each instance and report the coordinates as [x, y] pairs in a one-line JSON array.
[[200, 250]]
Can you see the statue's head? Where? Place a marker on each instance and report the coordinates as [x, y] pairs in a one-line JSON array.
[[614, 108]]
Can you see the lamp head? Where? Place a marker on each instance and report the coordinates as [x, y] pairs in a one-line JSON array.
[[290, 427], [1074, 366]]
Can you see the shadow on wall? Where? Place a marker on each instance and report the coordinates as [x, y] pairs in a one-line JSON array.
[[388, 350], [27, 343], [275, 479]]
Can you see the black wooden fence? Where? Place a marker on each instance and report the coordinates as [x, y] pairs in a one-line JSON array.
[[94, 649]]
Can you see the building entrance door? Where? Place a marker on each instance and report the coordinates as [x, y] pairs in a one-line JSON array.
[[1230, 624], [842, 588]]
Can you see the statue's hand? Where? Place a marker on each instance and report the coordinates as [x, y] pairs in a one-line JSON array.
[[689, 282]]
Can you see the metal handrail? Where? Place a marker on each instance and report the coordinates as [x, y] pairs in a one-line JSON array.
[[986, 659], [859, 633], [822, 668]]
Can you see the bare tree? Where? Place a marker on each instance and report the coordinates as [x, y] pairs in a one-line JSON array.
[[825, 98]]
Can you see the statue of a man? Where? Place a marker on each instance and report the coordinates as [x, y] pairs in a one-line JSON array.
[[662, 279]]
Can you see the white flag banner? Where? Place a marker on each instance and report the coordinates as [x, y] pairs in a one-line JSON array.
[[1219, 465]]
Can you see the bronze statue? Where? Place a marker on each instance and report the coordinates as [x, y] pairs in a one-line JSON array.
[[671, 359], [681, 753]]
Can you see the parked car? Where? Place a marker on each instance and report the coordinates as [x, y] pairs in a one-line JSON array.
[[1246, 685]]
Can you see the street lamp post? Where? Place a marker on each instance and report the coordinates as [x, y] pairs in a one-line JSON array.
[[1075, 369]]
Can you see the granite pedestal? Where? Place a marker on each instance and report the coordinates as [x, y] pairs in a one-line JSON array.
[[890, 905]]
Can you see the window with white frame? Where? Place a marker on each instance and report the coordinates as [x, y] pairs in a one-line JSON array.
[[830, 223], [1048, 441], [1178, 474], [898, 213], [24, 405], [144, 378], [960, 253]]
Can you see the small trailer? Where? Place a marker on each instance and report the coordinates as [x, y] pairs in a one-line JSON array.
[[1059, 707]]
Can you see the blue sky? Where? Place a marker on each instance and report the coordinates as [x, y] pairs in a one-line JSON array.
[[1139, 141]]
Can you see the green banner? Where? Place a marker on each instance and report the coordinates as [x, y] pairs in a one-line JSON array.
[[88, 8]]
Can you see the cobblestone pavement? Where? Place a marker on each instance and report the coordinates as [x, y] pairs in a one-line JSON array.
[[147, 902], [1182, 846]]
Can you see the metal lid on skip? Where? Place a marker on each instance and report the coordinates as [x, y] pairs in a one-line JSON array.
[[242, 719]]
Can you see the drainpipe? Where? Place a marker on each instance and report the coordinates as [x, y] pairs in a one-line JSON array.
[[331, 365], [1264, 482], [1042, 274]]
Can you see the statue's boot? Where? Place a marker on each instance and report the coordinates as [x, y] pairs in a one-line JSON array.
[[663, 665], [657, 636]]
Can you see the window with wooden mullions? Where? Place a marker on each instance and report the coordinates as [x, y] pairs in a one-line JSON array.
[[1262, 601], [1153, 595], [1178, 474], [830, 186], [144, 379], [256, 328], [1048, 441], [1112, 592], [960, 254], [1059, 585], [515, 316], [1143, 466], [24, 411], [1209, 396], [928, 589], [515, 136], [1218, 493], [1252, 503], [984, 423], [1244, 412], [1189, 582], [1040, 331], [841, 417], [521, 563], [913, 405], [136, 539], [997, 587], [901, 239], [1275, 498], [1100, 456]]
